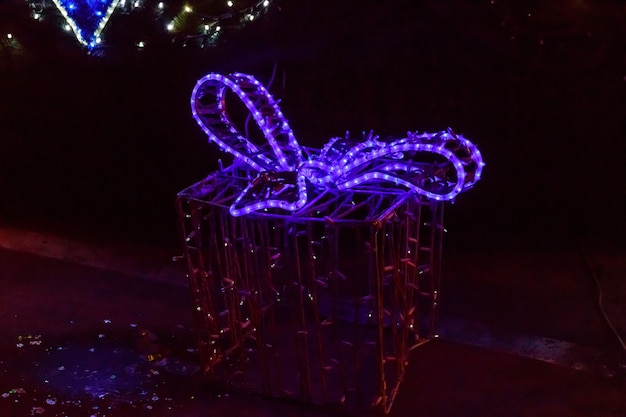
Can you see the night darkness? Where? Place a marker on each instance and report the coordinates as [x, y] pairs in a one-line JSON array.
[[98, 145], [95, 147]]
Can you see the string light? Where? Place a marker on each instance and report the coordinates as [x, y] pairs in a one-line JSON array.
[[87, 20], [10, 35]]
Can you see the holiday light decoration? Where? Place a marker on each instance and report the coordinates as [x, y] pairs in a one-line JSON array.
[[87, 18], [200, 22], [315, 271], [438, 166]]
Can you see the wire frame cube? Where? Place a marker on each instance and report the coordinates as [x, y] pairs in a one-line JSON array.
[[323, 305]]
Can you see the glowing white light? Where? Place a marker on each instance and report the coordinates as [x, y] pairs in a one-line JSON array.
[[141, 44], [137, 4], [266, 3], [206, 27], [67, 27], [251, 17], [188, 9], [229, 3], [36, 16], [218, 28], [10, 35], [170, 26], [160, 5], [98, 40]]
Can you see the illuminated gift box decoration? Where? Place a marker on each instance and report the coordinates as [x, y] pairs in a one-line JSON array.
[[315, 271]]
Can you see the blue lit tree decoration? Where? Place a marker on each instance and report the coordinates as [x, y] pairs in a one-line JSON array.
[[191, 22], [87, 18]]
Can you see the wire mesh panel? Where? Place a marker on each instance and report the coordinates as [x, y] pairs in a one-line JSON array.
[[321, 305]]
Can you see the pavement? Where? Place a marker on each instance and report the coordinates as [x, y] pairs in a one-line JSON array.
[[93, 330]]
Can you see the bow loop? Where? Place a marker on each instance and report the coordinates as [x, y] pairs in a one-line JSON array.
[[438, 165]]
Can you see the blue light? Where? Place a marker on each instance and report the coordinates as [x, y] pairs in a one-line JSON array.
[[86, 18]]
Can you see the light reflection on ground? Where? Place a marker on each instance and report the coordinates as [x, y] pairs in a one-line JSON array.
[[106, 373]]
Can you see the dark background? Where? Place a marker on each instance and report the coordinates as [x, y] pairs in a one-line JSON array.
[[97, 147]]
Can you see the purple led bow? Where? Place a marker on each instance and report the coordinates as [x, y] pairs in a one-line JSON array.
[[436, 165]]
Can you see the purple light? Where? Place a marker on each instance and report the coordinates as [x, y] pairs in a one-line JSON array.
[[438, 165]]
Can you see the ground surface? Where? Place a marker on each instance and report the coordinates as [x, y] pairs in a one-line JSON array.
[[80, 340]]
